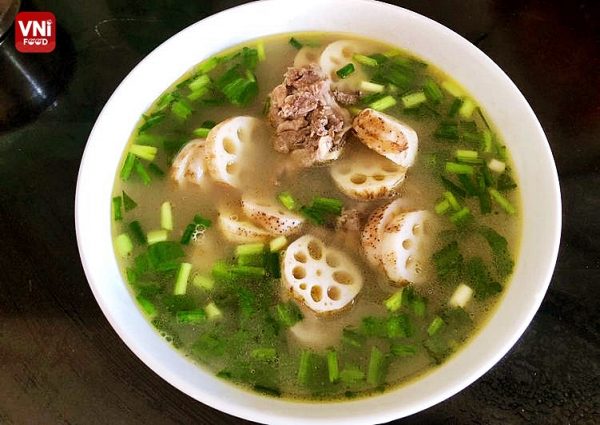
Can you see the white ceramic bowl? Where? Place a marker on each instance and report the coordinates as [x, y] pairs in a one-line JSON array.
[[435, 43]]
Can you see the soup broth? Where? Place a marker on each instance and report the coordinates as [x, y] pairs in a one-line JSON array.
[[224, 296]]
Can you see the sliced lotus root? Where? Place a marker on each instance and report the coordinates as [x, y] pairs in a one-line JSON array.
[[228, 146], [239, 230], [306, 56], [189, 166], [406, 246], [387, 136], [366, 176], [337, 55], [271, 216], [372, 233], [325, 279]]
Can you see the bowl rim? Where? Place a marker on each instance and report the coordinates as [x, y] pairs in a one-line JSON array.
[[291, 410]]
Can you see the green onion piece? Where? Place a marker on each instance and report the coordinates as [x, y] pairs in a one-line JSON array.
[[333, 366], [304, 367], [260, 50], [201, 221], [327, 205], [272, 265], [190, 316], [155, 236], [295, 43], [287, 200], [151, 121], [466, 155], [128, 203], [449, 196], [201, 132], [208, 65], [352, 338], [186, 238], [198, 94], [383, 103], [221, 272], [288, 314], [460, 216], [375, 368], [156, 170], [213, 312], [145, 152], [265, 354], [454, 107], [199, 82], [432, 91], [278, 243], [442, 207], [249, 249], [364, 60], [257, 260], [394, 302], [419, 307], [128, 166], [181, 109], [435, 326], [345, 71], [138, 234], [496, 166], [371, 87], [354, 110], [403, 350], [142, 173], [351, 375], [166, 216], [447, 130], [467, 108], [412, 100], [116, 208], [248, 271], [203, 282], [455, 168], [452, 88], [123, 245], [183, 274], [502, 201], [146, 305], [488, 141]]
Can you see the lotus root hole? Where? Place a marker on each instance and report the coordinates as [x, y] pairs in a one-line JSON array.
[[416, 229], [358, 178], [389, 168], [409, 262], [314, 250], [406, 244], [332, 260], [299, 272], [342, 277], [378, 177], [319, 272], [229, 145], [300, 257], [303, 286], [345, 169], [334, 293], [231, 168], [316, 293]]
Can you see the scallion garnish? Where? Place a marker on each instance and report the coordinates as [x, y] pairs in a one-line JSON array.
[[333, 366], [375, 368], [156, 170], [142, 173], [383, 103], [345, 71], [304, 367], [249, 249], [190, 316], [394, 302], [199, 83], [287, 200], [212, 311], [181, 281], [146, 305], [138, 234], [166, 216], [435, 326], [123, 245], [432, 91], [155, 236], [128, 203], [371, 87], [502, 201], [468, 156], [365, 60], [413, 100], [452, 88], [449, 196], [467, 108], [116, 208], [455, 168], [128, 166], [295, 43], [181, 109], [460, 216], [442, 207]]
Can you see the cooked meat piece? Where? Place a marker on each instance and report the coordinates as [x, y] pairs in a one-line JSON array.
[[306, 116], [346, 98]]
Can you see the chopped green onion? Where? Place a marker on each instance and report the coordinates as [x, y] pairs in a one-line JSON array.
[[455, 168], [375, 368], [123, 245], [249, 249], [333, 366], [288, 314], [354, 110], [442, 207], [142, 173], [327, 205], [412, 100], [116, 208], [351, 375], [213, 312], [257, 260], [467, 108], [248, 271], [432, 91], [304, 367], [201, 221], [447, 130], [287, 200], [190, 316], [201, 132], [203, 282], [155, 236], [188, 232], [467, 156], [208, 65], [128, 166], [265, 354], [146, 305], [394, 302], [278, 243], [449, 196], [128, 203], [138, 234], [198, 94], [155, 169], [345, 71], [435, 326], [419, 306], [383, 103], [502, 201], [199, 82], [365, 60], [183, 274], [295, 43], [151, 121], [403, 350], [454, 107], [452, 88], [260, 51], [143, 151], [352, 338], [371, 87], [488, 141], [181, 109], [166, 216], [496, 166], [459, 216]]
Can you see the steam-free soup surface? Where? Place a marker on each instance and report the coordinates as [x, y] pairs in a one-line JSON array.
[[231, 309]]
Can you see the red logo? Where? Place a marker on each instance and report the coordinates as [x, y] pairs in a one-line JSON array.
[[35, 32]]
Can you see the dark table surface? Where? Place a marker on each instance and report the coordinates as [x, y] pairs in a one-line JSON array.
[[61, 362]]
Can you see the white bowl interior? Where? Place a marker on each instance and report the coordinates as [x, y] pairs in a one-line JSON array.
[[499, 97]]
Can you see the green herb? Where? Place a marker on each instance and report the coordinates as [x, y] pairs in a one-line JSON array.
[[190, 316], [351, 375], [383, 103], [403, 350], [295, 43], [264, 354], [448, 263], [164, 256], [502, 201], [151, 121], [502, 260], [375, 369], [352, 338], [142, 173], [116, 208], [128, 165], [365, 60], [394, 302], [333, 366], [432, 91], [288, 314], [435, 326], [480, 280], [345, 71], [138, 233], [447, 130]]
